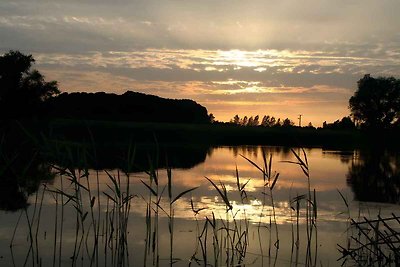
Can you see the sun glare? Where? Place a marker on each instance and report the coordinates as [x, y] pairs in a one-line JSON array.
[[238, 58]]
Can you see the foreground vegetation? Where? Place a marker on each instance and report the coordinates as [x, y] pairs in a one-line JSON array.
[[102, 219], [96, 224]]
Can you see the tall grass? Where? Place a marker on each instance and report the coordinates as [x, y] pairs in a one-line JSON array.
[[102, 217], [83, 199], [231, 238], [270, 179], [311, 209], [375, 242], [370, 242]]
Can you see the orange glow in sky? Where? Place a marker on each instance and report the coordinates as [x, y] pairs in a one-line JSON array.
[[244, 58]]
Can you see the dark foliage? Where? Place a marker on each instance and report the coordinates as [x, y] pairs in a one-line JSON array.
[[344, 124], [22, 90], [376, 103], [131, 106], [266, 121]]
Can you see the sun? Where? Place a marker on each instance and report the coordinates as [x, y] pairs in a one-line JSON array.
[[238, 58]]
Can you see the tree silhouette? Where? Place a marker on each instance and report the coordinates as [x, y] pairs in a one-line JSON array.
[[250, 122], [236, 119], [376, 103], [344, 124], [287, 122], [130, 106], [244, 121], [256, 120], [22, 90], [211, 117]]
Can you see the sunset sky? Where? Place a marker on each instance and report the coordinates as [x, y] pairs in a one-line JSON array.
[[280, 58]]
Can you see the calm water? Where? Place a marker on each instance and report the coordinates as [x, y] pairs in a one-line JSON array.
[[47, 233]]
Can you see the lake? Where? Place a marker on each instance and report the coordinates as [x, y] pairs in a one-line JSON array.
[[117, 217]]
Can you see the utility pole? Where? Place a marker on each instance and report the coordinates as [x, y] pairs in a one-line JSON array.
[[300, 119]]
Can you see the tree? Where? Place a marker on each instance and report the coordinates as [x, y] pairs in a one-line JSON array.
[[287, 122], [255, 121], [273, 121], [243, 122], [211, 117], [277, 122], [22, 90], [344, 124], [236, 119], [264, 121], [250, 121], [376, 103]]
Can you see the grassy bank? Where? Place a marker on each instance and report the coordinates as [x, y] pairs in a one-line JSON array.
[[121, 133], [210, 134]]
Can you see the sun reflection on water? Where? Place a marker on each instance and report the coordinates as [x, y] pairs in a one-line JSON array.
[[328, 175]]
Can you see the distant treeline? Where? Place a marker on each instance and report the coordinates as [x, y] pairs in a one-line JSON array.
[[266, 121], [130, 106], [271, 121]]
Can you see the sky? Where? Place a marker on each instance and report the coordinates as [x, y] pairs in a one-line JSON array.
[[256, 57]]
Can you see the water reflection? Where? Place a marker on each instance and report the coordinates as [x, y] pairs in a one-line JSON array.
[[328, 171], [127, 157], [371, 175], [254, 151], [22, 170], [24, 167], [375, 176]]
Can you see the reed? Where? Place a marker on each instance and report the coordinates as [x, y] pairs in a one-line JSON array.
[[87, 222], [311, 208], [102, 216], [270, 179], [370, 242], [231, 238], [375, 243]]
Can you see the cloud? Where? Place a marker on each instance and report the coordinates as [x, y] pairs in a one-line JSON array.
[[272, 68], [259, 60], [210, 24]]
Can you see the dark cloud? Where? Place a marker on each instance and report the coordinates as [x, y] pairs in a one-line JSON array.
[[212, 24]]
